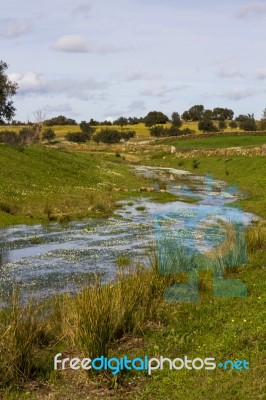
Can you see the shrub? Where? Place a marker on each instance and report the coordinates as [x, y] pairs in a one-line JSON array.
[[87, 129], [8, 137], [128, 135], [48, 134], [158, 131], [233, 124], [76, 137], [207, 125], [28, 135], [187, 131], [108, 136]]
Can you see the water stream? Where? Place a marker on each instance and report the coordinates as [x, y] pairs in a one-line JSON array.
[[44, 260]]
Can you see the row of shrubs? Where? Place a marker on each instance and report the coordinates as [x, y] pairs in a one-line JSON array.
[[161, 131], [26, 135], [108, 136]]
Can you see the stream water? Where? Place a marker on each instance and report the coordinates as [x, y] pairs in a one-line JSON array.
[[44, 260]]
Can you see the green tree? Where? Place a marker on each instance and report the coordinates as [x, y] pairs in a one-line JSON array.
[[86, 129], [176, 120], [248, 123], [206, 125], [220, 113], [108, 136], [121, 121], [196, 112], [155, 117], [263, 120], [222, 125], [185, 116], [7, 90], [233, 124], [207, 114]]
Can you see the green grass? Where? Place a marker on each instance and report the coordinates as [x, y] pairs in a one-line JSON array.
[[216, 142], [44, 184], [131, 317]]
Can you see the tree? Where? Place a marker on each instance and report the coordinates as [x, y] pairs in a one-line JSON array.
[[128, 135], [7, 90], [222, 113], [206, 125], [86, 129], [60, 120], [222, 124], [196, 112], [176, 120], [185, 116], [108, 136], [248, 123], [263, 120], [233, 124], [207, 114], [155, 117], [121, 121]]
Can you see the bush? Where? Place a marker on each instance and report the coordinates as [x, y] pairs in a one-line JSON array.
[[76, 137], [109, 136], [48, 134], [233, 124], [187, 131], [128, 135], [8, 137], [28, 135], [222, 124], [86, 129], [158, 131], [206, 125]]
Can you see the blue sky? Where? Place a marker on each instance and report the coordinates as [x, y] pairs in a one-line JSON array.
[[103, 59]]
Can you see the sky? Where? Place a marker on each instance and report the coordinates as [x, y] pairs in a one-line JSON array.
[[103, 59]]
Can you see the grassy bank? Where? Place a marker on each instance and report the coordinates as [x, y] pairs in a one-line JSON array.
[[41, 184], [216, 142], [131, 316]]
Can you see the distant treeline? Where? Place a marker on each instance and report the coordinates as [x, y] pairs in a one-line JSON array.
[[195, 113]]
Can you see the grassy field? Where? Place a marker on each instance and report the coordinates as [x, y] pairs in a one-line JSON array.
[[216, 142], [142, 132], [41, 184], [130, 317]]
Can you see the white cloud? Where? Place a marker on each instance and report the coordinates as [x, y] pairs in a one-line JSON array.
[[78, 44], [71, 44], [60, 108], [230, 73], [261, 74], [240, 93], [13, 28], [140, 75], [250, 10], [32, 83], [137, 105], [160, 90], [82, 11]]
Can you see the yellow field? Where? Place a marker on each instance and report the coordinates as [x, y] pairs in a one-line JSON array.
[[142, 132]]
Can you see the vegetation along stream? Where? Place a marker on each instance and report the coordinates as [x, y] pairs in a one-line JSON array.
[[44, 260]]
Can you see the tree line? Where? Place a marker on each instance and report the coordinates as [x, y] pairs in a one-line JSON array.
[[208, 121]]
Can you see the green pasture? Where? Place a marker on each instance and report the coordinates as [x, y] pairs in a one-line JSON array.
[[216, 142]]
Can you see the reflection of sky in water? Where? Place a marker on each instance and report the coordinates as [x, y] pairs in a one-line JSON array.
[[56, 258]]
